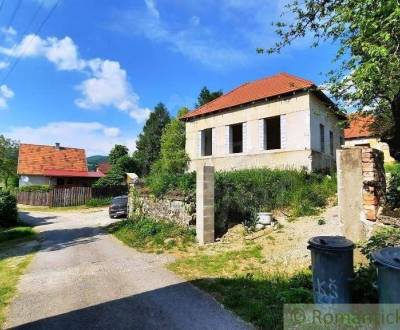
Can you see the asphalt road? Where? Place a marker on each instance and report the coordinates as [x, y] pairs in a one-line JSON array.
[[83, 278]]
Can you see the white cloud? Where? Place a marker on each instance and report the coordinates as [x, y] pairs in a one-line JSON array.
[[107, 85], [8, 31], [94, 137], [62, 52], [5, 94], [4, 65]]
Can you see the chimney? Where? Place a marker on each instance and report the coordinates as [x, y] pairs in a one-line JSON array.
[[58, 145]]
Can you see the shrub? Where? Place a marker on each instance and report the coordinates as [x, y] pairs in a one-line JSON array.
[[33, 188], [96, 202], [384, 237], [8, 209], [240, 194], [393, 192]]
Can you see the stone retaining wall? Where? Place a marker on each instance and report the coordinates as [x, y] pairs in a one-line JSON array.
[[176, 208]]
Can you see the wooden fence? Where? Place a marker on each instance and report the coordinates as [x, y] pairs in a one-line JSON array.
[[69, 196]]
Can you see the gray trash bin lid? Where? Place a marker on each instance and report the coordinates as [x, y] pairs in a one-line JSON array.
[[330, 243], [389, 257]]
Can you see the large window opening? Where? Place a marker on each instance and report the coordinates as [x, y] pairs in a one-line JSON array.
[[236, 138], [273, 133], [322, 137], [206, 142]]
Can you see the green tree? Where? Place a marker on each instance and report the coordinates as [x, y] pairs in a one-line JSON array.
[[206, 96], [149, 141], [8, 160], [368, 36], [117, 152], [173, 160]]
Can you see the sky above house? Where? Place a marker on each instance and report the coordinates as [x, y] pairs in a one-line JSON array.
[[88, 73]]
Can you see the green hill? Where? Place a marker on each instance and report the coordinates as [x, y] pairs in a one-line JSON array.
[[93, 161]]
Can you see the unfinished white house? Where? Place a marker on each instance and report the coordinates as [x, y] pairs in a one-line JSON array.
[[280, 121]]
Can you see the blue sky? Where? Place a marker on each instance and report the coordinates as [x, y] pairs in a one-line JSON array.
[[92, 74]]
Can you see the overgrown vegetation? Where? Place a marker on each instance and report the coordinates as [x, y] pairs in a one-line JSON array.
[[240, 194], [147, 234], [8, 209], [8, 162], [393, 190], [97, 202]]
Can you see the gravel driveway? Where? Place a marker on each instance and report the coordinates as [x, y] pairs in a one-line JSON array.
[[83, 278]]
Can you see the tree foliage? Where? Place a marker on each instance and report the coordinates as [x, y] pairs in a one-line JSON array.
[[122, 163], [117, 152], [8, 160], [206, 96], [149, 141], [173, 158], [368, 36]]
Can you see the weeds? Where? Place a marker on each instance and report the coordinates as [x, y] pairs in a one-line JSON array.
[[147, 234]]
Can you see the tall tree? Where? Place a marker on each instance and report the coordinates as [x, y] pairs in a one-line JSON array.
[[149, 141], [8, 160], [116, 153], [368, 56], [173, 157], [206, 96]]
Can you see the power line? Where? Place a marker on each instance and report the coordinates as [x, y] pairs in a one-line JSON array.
[[33, 18], [41, 25], [2, 5], [14, 13]]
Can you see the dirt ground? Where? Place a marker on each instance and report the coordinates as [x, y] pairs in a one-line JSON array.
[[284, 246]]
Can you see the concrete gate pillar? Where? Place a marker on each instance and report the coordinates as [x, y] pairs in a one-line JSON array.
[[205, 205], [361, 190]]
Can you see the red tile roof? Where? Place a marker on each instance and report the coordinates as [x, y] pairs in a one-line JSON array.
[[359, 127], [36, 159], [104, 167], [268, 87], [78, 174]]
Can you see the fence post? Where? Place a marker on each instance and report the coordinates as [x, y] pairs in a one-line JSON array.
[[205, 205]]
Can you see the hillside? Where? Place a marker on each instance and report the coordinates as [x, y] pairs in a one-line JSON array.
[[93, 161]]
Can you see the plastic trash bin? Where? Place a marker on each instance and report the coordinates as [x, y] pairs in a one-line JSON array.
[[388, 263], [332, 269]]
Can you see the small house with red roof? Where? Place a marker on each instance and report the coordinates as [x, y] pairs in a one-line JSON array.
[[281, 121], [360, 133], [104, 167], [54, 166]]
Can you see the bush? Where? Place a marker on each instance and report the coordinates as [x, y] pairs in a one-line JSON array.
[[164, 182], [97, 202], [384, 237], [393, 191], [33, 188], [8, 210], [240, 194]]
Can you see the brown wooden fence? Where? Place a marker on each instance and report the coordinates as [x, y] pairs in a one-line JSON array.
[[69, 196]]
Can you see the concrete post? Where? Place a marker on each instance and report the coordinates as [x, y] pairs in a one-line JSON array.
[[205, 205], [361, 189]]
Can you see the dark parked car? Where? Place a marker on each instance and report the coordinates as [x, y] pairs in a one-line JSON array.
[[118, 207]]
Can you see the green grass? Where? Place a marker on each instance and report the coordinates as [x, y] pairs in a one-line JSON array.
[[149, 235], [12, 263], [16, 234], [236, 279]]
